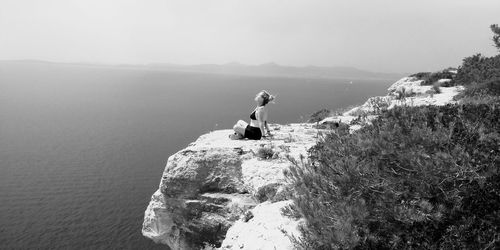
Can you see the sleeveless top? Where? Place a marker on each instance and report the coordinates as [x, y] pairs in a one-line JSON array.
[[252, 116]]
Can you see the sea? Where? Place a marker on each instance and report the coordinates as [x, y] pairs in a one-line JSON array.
[[83, 147]]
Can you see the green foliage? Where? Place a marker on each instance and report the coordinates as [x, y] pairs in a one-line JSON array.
[[436, 88], [485, 99], [381, 104], [478, 69], [421, 75], [496, 37], [481, 77], [418, 177], [291, 211], [341, 111], [319, 115], [468, 231], [265, 152], [431, 78], [403, 93], [329, 125], [482, 90]]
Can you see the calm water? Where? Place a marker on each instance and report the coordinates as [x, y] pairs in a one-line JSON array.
[[83, 148]]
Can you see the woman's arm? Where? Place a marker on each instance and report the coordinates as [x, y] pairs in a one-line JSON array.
[[267, 127], [262, 118], [265, 123], [260, 115]]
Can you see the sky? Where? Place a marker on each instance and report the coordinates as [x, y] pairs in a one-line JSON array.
[[377, 35]]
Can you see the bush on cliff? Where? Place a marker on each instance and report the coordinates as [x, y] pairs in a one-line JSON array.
[[478, 69], [417, 177], [421, 177], [431, 78], [496, 35], [319, 115], [482, 90], [481, 78]]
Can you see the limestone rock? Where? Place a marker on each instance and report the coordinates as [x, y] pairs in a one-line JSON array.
[[209, 185], [266, 229], [421, 95], [410, 84]]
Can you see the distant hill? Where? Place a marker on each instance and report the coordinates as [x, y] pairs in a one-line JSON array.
[[235, 68], [273, 69]]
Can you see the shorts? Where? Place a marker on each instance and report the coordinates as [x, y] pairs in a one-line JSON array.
[[253, 133]]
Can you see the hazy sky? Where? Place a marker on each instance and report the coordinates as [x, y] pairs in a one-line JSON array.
[[378, 35]]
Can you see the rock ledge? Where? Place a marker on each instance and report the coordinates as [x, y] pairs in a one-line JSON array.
[[209, 186]]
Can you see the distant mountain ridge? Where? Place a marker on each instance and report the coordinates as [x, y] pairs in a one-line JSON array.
[[235, 68], [273, 69]]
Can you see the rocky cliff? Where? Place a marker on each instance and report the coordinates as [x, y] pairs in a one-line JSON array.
[[216, 182], [229, 194]]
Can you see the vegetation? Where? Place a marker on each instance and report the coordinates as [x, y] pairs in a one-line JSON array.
[[415, 178], [477, 69], [319, 115], [436, 88], [380, 104], [431, 78], [405, 181], [481, 90], [404, 93], [496, 37], [266, 152], [329, 125]]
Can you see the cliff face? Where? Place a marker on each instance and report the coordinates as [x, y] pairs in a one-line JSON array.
[[215, 182], [229, 194]]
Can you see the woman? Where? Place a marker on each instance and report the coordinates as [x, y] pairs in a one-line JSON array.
[[258, 120]]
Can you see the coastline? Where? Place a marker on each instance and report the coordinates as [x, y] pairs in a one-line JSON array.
[[220, 188]]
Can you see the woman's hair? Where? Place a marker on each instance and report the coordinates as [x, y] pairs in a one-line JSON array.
[[266, 97]]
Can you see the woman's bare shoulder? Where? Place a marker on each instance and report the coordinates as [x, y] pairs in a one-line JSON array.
[[261, 112], [261, 109]]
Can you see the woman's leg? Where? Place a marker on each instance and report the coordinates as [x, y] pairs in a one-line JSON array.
[[240, 127]]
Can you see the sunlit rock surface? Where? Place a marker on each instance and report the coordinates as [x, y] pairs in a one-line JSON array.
[[209, 185], [264, 228], [408, 91]]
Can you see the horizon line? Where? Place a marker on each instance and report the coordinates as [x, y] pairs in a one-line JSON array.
[[199, 64]]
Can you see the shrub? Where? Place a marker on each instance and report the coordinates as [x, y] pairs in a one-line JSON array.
[[341, 111], [431, 78], [485, 92], [486, 99], [360, 112], [477, 224], [421, 75], [436, 88], [327, 125], [403, 93], [265, 152], [319, 115], [496, 37], [418, 177], [478, 69], [284, 148], [491, 87], [380, 104]]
